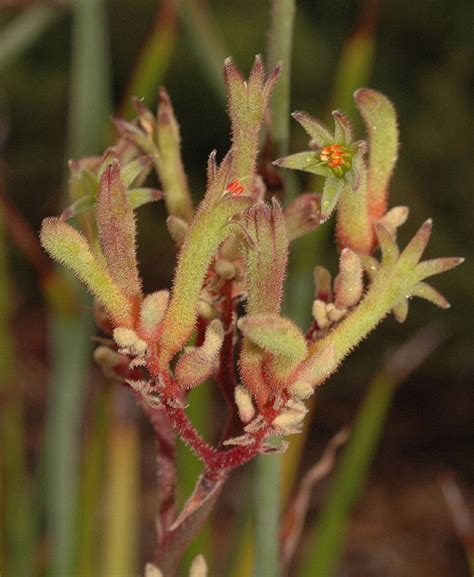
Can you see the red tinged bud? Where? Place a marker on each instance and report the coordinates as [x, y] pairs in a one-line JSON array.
[[117, 231]]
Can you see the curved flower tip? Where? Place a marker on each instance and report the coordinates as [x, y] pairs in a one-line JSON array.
[[197, 364], [277, 335], [69, 247], [266, 254], [248, 101], [382, 129], [117, 230]]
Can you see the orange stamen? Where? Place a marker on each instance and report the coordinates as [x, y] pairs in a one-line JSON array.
[[336, 156], [235, 187]]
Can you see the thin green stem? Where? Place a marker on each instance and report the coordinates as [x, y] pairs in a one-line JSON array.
[[69, 334], [267, 515], [120, 534], [326, 542], [356, 61], [92, 482], [18, 525], [90, 91], [203, 32], [328, 538], [70, 348], [268, 468], [153, 61], [22, 33], [280, 50]]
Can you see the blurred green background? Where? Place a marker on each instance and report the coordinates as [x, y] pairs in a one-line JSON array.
[[421, 54]]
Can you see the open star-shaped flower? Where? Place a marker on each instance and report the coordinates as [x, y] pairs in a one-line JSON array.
[[336, 157]]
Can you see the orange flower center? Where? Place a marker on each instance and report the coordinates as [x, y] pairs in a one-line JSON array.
[[337, 157]]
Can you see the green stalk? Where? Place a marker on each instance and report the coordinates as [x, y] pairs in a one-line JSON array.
[[16, 555], [267, 515], [189, 469], [357, 59], [69, 334], [120, 540], [268, 467], [327, 539], [153, 61], [89, 527], [203, 32], [245, 560], [280, 50], [70, 349], [22, 32], [90, 91]]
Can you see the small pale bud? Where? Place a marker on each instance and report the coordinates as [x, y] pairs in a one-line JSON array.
[[106, 357], [129, 342], [348, 285], [152, 311], [322, 283], [198, 364], [152, 571], [320, 314], [296, 405], [198, 567], [206, 310], [178, 229], [335, 314], [394, 218], [291, 417], [244, 402], [300, 390], [213, 339], [400, 311], [193, 368], [109, 360], [314, 370], [224, 268]]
